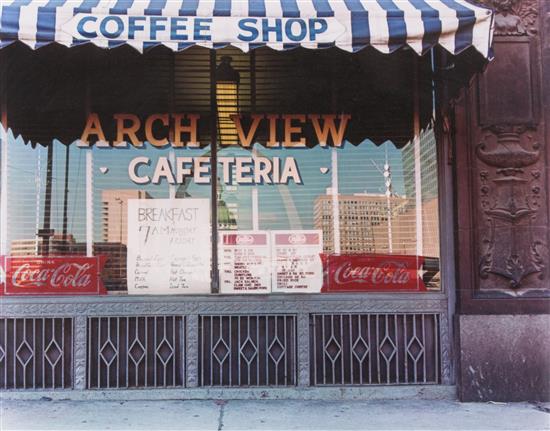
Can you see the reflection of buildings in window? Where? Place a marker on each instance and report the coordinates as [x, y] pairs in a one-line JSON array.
[[428, 162], [114, 207], [227, 211], [363, 223], [228, 204], [429, 190], [114, 210], [58, 245], [404, 229]]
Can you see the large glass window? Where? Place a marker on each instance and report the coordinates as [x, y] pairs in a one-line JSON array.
[[301, 205]]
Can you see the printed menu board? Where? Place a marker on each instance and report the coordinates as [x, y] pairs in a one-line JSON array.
[[169, 246], [245, 259], [297, 266]]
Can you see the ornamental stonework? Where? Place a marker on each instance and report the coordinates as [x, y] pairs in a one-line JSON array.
[[514, 17], [514, 255]]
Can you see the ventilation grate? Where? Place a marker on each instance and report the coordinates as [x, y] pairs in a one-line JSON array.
[[131, 352], [255, 350], [36, 353], [363, 349]]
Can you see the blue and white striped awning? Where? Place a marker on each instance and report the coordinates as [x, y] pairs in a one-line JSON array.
[[351, 25]]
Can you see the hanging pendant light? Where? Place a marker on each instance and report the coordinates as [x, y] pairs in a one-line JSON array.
[[227, 101]]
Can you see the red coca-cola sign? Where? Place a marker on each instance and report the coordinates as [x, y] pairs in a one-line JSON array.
[[372, 273], [45, 275]]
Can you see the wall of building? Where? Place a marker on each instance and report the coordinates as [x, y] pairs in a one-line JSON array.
[[502, 233], [504, 357]]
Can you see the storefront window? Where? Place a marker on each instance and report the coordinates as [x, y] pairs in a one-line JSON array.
[[300, 208]]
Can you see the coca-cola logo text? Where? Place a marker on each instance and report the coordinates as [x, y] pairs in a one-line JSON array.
[[52, 275], [372, 272], [385, 273], [65, 275]]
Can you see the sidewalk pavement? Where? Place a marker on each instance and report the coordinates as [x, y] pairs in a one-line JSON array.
[[272, 415]]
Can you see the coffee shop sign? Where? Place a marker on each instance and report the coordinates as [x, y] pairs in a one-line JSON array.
[[201, 29]]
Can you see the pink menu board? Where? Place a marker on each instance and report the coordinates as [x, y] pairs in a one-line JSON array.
[[297, 266], [244, 262]]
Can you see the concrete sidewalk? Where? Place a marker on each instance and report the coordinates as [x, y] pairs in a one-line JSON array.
[[272, 415]]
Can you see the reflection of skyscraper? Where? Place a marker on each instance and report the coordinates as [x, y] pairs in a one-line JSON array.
[[227, 212], [361, 217], [429, 189], [428, 167], [58, 246], [113, 212]]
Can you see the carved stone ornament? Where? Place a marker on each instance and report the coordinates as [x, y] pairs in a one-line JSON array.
[[514, 17], [510, 201]]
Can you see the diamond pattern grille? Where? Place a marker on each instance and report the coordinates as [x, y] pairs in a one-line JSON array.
[[36, 353], [165, 351], [136, 352], [276, 350], [24, 353], [388, 349], [53, 353], [366, 349], [333, 349], [126, 352], [415, 349], [220, 351], [242, 350], [360, 349], [251, 350], [108, 353]]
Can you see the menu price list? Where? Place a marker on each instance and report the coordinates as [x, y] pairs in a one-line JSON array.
[[297, 263], [245, 262]]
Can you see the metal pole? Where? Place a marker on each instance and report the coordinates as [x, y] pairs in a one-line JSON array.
[[45, 233], [89, 203], [214, 173], [3, 158], [417, 167], [255, 204], [66, 193], [387, 182], [335, 202], [89, 172]]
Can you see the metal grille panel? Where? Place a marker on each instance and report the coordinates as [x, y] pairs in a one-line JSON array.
[[36, 353], [126, 352], [362, 349], [254, 350]]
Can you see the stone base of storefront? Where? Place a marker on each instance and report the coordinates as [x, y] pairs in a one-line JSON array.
[[418, 392], [504, 358]]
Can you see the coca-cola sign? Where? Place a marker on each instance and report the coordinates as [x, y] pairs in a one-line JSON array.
[[372, 273], [45, 275]]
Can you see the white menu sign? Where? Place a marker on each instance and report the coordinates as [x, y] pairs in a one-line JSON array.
[[245, 259], [169, 247], [297, 266]]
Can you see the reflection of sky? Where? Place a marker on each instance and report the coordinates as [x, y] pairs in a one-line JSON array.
[[281, 206], [27, 185], [292, 205]]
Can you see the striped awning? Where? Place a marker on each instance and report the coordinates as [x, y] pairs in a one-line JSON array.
[[351, 25]]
